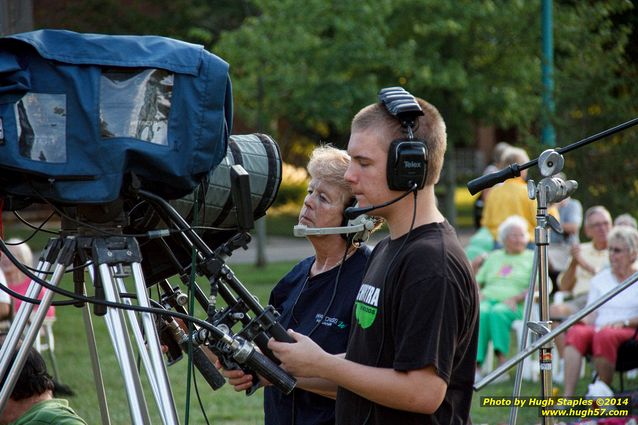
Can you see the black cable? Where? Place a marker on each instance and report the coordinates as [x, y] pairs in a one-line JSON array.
[[191, 311], [323, 316], [334, 292], [38, 228], [199, 397], [387, 272], [21, 267], [69, 270], [82, 223], [82, 298]]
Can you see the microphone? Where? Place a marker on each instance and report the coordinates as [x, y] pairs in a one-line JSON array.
[[201, 361], [353, 212], [301, 230], [362, 226]]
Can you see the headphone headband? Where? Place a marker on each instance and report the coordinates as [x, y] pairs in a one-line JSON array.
[[401, 104]]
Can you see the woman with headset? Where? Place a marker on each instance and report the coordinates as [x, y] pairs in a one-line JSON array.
[[317, 296]]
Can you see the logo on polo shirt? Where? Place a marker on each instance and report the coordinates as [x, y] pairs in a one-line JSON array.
[[366, 305]]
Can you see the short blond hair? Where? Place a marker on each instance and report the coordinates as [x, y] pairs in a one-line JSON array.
[[329, 164], [514, 155]]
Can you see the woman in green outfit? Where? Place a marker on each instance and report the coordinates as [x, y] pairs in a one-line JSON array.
[[503, 279]]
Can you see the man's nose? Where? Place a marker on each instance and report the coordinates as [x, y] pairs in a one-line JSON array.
[[349, 176]]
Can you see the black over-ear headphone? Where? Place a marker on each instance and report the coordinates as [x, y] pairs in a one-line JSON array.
[[407, 158]]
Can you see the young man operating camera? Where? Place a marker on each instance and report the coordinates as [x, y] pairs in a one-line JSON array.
[[411, 354]]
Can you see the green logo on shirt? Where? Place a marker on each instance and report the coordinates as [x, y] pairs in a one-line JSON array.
[[366, 306]]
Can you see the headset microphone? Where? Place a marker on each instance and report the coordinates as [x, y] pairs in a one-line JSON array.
[[353, 212], [362, 227], [301, 230]]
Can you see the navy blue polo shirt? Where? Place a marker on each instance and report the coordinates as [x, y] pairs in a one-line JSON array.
[[302, 302]]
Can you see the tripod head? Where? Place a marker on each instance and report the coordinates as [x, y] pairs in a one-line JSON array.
[[551, 189]]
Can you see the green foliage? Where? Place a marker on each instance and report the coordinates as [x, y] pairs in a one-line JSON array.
[[293, 188], [308, 69], [596, 90], [318, 64], [197, 21]]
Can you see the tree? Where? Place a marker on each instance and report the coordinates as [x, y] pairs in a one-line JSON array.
[[596, 90], [477, 61], [197, 21], [322, 62]]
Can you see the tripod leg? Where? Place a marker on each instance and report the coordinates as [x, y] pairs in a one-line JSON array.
[[156, 372], [95, 362], [122, 345], [21, 320], [529, 301], [33, 328]]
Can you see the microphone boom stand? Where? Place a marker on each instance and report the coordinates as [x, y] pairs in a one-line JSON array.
[[549, 190]]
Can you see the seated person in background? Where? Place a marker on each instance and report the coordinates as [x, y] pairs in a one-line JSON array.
[[479, 245], [558, 251], [511, 198], [504, 279], [32, 402], [626, 220], [614, 322], [16, 279], [5, 305], [494, 166], [586, 260]]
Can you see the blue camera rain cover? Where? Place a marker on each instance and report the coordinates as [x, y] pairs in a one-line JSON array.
[[80, 114]]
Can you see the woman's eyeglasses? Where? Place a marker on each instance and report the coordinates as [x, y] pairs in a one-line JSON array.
[[616, 250]]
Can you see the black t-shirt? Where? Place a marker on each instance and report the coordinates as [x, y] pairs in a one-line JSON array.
[[302, 301], [424, 313]]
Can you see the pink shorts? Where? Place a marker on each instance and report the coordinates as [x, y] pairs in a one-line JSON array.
[[602, 343]]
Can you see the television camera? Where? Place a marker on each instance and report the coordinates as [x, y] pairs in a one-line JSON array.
[[128, 139]]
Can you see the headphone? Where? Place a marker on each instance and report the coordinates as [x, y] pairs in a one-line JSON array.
[[407, 158]]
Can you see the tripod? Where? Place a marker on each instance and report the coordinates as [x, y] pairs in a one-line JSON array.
[[109, 259], [549, 190], [97, 244]]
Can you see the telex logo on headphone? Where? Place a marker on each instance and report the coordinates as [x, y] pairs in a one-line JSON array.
[[412, 164]]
